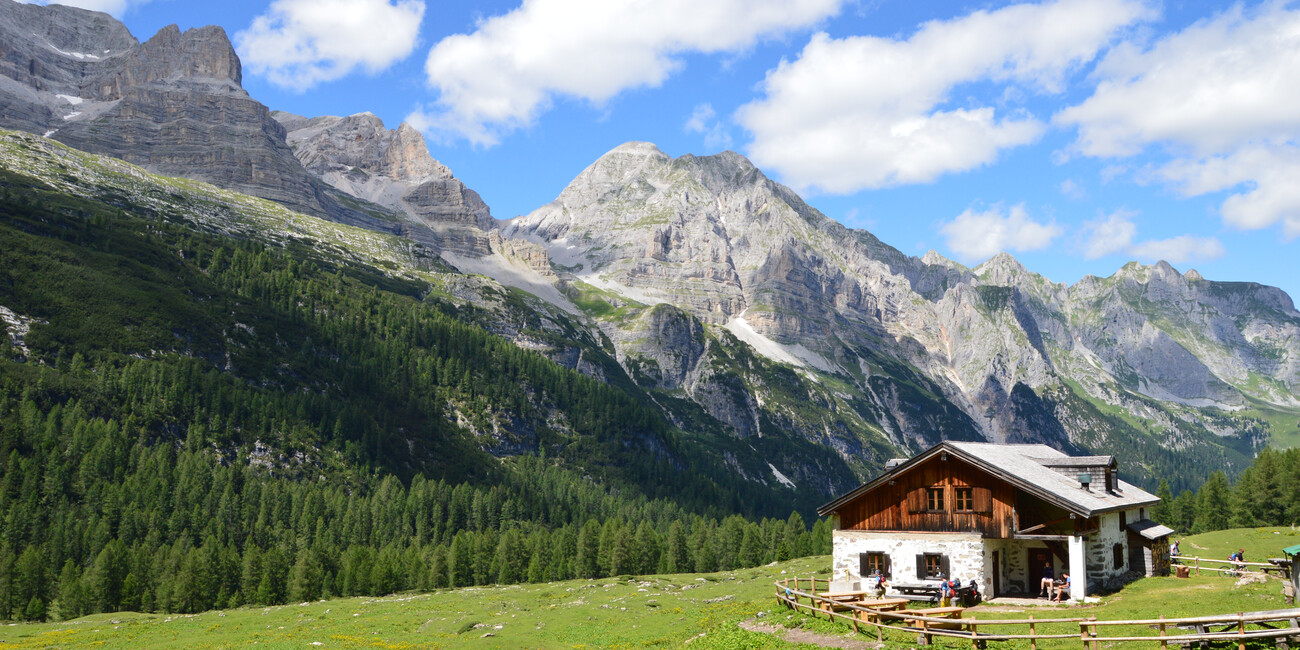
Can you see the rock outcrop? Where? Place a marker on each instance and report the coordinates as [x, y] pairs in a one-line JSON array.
[[173, 104], [392, 168]]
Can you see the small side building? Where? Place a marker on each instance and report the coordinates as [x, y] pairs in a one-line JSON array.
[[996, 514]]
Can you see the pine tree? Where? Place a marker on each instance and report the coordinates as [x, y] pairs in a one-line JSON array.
[[1212, 508], [1160, 513]]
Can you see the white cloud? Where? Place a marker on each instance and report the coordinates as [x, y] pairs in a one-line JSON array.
[[114, 7], [867, 112], [300, 43], [976, 236], [1217, 98], [1107, 236], [1073, 190], [1184, 248], [715, 132], [502, 76]]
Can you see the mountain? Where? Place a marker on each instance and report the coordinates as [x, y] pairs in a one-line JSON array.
[[999, 352], [776, 346]]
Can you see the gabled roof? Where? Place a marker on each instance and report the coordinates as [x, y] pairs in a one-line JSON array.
[[1150, 529], [1027, 467]]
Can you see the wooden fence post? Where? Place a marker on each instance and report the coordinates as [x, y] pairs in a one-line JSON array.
[[1033, 640], [1198, 565], [1083, 633], [974, 636], [1241, 631], [1095, 643], [1163, 642]]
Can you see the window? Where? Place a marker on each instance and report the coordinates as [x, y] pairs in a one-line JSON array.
[[874, 562], [931, 566], [1119, 556], [1123, 520], [934, 498], [965, 499]]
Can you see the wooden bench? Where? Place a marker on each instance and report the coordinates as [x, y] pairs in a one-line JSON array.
[[1281, 566]]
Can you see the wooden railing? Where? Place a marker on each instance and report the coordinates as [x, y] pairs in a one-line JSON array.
[[1090, 633], [1220, 565]]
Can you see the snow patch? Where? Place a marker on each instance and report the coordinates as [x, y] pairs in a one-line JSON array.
[[795, 355], [71, 99], [50, 133], [81, 56], [71, 115], [780, 478]]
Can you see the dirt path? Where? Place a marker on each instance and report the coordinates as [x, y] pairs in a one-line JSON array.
[[805, 636]]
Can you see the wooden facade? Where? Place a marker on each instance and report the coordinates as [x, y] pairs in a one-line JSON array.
[[987, 504]]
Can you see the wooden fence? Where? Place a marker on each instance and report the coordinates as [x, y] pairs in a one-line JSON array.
[[1223, 566], [1281, 626]]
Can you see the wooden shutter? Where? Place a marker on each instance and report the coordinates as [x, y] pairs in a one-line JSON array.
[[983, 500], [889, 569], [863, 567], [943, 567], [920, 567]]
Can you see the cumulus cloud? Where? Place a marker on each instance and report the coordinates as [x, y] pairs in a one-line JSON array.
[[298, 44], [114, 7], [1115, 234], [1184, 248], [868, 112], [1108, 236], [703, 120], [974, 236], [510, 69], [1073, 190], [1218, 99]]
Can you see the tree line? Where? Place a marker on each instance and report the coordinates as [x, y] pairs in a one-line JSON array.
[[1267, 493]]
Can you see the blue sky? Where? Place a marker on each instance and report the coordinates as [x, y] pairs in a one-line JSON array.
[[1076, 135]]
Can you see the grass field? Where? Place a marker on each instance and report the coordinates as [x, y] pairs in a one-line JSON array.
[[1259, 543], [626, 612]]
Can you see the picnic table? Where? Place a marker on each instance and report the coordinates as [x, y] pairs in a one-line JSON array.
[[834, 600], [917, 591], [1281, 566], [880, 605], [924, 626]]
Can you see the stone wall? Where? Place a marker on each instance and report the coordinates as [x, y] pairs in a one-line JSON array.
[[1102, 572], [965, 551]]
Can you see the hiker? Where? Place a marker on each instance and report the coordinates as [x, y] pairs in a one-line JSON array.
[[1173, 552], [877, 583], [1049, 579], [1063, 589], [945, 591]]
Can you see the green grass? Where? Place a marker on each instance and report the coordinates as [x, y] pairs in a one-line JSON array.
[[626, 612], [1259, 543]]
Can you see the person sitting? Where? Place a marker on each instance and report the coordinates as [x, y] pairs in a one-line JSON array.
[[1045, 585], [1063, 589]]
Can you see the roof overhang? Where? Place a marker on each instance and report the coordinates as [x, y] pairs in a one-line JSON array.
[[1026, 486], [1150, 529]]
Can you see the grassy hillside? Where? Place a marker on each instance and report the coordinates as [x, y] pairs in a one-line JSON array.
[[625, 612], [1259, 543], [622, 612]]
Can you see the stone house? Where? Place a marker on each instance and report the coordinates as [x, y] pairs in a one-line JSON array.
[[996, 514]]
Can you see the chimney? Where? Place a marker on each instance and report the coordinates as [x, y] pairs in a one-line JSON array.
[[1085, 479]]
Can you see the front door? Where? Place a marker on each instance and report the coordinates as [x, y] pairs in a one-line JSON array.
[[997, 576], [1037, 558]]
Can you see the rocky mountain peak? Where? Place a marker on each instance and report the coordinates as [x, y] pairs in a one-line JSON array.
[[202, 53], [1002, 268], [391, 168]]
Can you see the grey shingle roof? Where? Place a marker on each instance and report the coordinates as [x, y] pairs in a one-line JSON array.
[[1028, 463], [1150, 529], [1026, 467]]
